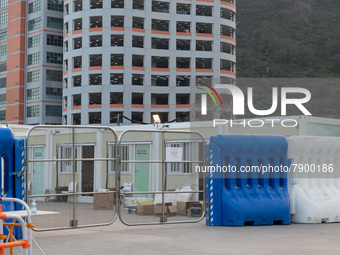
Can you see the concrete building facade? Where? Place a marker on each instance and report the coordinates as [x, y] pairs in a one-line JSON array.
[[141, 57], [93, 62], [46, 75], [31, 46]]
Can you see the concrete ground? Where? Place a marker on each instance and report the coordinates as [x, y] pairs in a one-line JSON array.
[[194, 238]]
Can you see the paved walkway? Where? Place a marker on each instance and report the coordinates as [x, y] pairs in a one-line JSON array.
[[194, 239]]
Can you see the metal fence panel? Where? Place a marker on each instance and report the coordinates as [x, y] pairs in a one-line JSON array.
[[76, 174], [70, 176], [157, 170]]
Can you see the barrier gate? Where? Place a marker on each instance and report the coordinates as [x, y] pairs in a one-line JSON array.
[[65, 165], [161, 166], [83, 176]]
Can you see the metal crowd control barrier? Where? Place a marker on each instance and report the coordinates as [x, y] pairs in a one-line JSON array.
[[65, 164], [315, 193], [157, 170], [24, 243], [237, 198], [26, 228]]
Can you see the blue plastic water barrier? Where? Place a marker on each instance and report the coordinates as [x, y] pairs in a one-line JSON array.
[[12, 180], [7, 164], [247, 198], [7, 154]]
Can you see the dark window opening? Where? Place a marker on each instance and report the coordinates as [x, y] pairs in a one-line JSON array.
[[204, 45], [183, 44], [117, 59], [116, 98], [138, 41], [96, 22], [183, 62], [204, 28], [95, 98], [77, 62], [137, 116], [116, 117], [158, 6], [183, 9], [138, 60], [78, 5], [77, 24], [138, 79], [117, 79], [96, 41], [76, 100], [137, 98], [160, 25], [96, 4], [160, 62], [159, 99], [159, 80], [77, 43], [117, 21], [77, 81], [95, 79], [76, 119], [138, 22], [95, 118], [117, 40], [203, 10], [183, 27], [96, 60], [182, 81], [203, 63], [182, 98], [117, 3], [161, 44], [182, 116]]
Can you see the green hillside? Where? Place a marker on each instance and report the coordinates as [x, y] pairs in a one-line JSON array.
[[288, 38]]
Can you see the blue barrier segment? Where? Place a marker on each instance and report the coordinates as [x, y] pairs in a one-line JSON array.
[[7, 153], [214, 189], [12, 151], [19, 164], [240, 198], [7, 179], [206, 183], [19, 181]]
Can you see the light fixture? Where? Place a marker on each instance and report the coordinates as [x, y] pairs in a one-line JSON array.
[[156, 119]]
